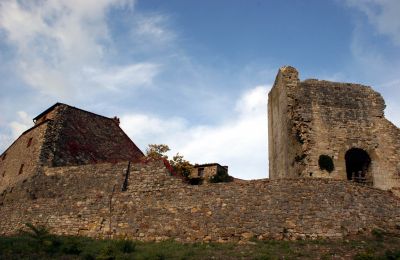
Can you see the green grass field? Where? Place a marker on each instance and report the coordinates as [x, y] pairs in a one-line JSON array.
[[39, 244]]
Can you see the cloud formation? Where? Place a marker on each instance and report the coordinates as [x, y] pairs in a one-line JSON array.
[[383, 15], [239, 142], [61, 46]]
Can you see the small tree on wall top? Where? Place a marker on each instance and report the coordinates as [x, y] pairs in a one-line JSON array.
[[179, 165], [157, 151]]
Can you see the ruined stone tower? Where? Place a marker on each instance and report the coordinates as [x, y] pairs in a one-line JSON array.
[[332, 130]]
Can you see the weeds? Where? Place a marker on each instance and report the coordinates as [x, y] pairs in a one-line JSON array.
[[38, 243]]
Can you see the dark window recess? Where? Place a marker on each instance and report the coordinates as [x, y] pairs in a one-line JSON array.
[[325, 162], [4, 174], [201, 172], [357, 164], [21, 169], [29, 142], [4, 156]]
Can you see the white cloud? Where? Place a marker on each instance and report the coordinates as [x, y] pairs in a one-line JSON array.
[[56, 41], [153, 27], [372, 63], [392, 112], [149, 129], [120, 77], [240, 143], [22, 123], [382, 14]]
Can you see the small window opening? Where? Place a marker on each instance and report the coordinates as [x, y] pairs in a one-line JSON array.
[[4, 156], [21, 169], [201, 172], [325, 162], [4, 174], [310, 174], [29, 142]]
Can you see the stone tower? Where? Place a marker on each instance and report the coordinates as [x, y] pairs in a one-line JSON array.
[[332, 130]]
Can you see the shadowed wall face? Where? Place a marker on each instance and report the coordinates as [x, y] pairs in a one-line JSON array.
[[83, 138], [64, 135]]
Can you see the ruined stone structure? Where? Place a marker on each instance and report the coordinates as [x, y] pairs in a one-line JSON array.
[[331, 130], [89, 200], [81, 175], [65, 135], [206, 171]]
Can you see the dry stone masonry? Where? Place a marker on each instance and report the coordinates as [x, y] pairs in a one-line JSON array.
[[62, 136], [313, 123], [88, 200], [333, 167]]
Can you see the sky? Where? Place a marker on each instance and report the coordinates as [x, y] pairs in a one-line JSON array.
[[191, 74]]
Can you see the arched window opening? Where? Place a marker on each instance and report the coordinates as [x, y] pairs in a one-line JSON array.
[[357, 164]]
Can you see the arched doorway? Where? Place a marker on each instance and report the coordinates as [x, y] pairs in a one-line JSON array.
[[357, 164]]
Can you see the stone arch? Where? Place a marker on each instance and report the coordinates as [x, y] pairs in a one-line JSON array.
[[358, 163]]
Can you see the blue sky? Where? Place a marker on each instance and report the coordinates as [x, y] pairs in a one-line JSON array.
[[191, 74]]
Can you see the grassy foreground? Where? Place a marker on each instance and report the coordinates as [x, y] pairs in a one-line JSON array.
[[36, 245]]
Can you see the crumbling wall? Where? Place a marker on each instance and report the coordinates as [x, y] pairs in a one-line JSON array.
[[388, 153], [313, 118], [342, 116], [283, 145], [88, 200]]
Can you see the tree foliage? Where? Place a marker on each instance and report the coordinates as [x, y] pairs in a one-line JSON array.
[[221, 176], [157, 151], [178, 163], [181, 166]]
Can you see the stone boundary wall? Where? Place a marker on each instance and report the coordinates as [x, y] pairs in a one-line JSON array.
[[157, 206]]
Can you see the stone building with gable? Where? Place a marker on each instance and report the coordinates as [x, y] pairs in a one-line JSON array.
[[63, 135], [331, 130]]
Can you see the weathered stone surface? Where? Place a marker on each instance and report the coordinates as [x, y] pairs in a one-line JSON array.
[[311, 118], [65, 135], [156, 206]]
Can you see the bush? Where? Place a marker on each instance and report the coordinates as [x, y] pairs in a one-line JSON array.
[[378, 233], [221, 176], [326, 163], [195, 181], [71, 246], [125, 246], [392, 255]]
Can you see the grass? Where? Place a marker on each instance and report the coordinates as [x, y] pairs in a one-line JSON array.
[[46, 246]]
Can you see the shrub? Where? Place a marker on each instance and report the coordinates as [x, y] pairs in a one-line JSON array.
[[326, 163], [126, 246], [71, 246], [378, 233], [392, 255], [195, 181], [221, 176]]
